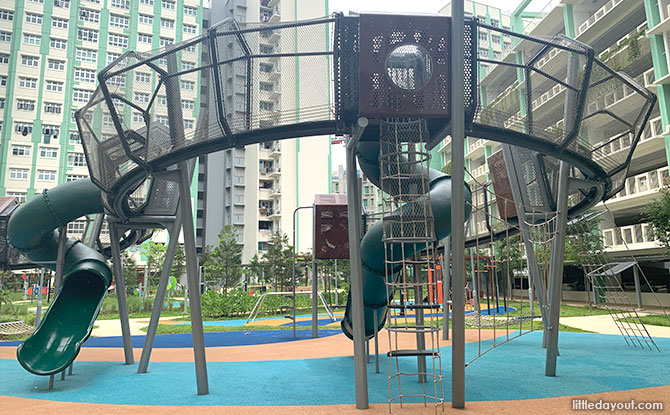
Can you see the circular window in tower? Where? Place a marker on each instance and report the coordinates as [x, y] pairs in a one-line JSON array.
[[409, 67]]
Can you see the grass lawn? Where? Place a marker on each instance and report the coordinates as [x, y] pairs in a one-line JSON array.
[[653, 320]]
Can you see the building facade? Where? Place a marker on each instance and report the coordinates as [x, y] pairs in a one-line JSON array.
[[256, 188], [50, 54], [632, 37]]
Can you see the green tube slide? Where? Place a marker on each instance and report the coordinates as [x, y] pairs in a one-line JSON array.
[[372, 247], [69, 321]]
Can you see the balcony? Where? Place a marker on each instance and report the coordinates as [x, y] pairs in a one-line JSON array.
[[479, 174], [275, 172], [264, 235], [264, 171], [275, 151], [274, 213], [651, 140], [640, 189], [445, 143], [271, 35], [275, 192], [606, 16], [634, 237], [476, 149], [663, 25], [621, 55]]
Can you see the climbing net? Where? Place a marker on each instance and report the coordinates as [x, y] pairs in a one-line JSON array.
[[507, 266]]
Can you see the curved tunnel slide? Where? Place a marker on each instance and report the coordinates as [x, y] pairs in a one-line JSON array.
[[372, 247], [69, 320]]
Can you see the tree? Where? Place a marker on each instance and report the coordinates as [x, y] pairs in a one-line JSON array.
[[255, 269], [224, 262], [657, 214], [178, 262], [155, 254], [584, 243], [130, 275], [279, 261]]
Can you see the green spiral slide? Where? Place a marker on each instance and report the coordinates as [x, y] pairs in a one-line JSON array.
[[372, 247], [68, 322]]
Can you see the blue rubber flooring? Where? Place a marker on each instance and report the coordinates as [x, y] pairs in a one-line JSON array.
[[589, 363], [212, 339], [242, 322]]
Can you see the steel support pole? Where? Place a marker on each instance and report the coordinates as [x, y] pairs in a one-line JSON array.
[[374, 317], [638, 289], [315, 283], [38, 311], [337, 302], [173, 233], [121, 294], [446, 285], [533, 267], [458, 203], [418, 315], [293, 281], [193, 279], [60, 257], [356, 269]]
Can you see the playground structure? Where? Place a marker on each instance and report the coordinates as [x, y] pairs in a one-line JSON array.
[[401, 83]]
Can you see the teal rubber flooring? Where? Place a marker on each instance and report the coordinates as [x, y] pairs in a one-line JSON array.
[[589, 363]]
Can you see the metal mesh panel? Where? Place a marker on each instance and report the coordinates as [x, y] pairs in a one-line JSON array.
[[404, 181]]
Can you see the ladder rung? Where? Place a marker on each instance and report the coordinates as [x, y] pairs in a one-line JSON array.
[[406, 353], [415, 306]]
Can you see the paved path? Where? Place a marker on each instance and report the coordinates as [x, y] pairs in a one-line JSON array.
[[113, 327], [605, 325]]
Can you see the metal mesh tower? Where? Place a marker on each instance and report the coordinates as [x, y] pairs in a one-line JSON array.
[[409, 245]]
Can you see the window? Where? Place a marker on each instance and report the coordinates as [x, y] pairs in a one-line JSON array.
[[56, 65], [143, 38], [190, 29], [29, 39], [142, 77], [190, 11], [118, 40], [145, 19], [46, 175], [187, 85], [4, 58], [141, 97], [167, 4], [33, 18], [73, 177], [266, 49], [137, 117], [161, 119], [30, 61], [81, 95], [49, 152], [107, 120], [118, 80], [50, 130], [23, 151], [53, 108], [496, 54], [87, 55], [20, 196], [77, 226], [6, 15], [167, 23], [76, 159], [88, 35], [65, 4], [18, 174], [118, 21], [190, 49], [88, 15], [495, 39], [5, 36], [264, 67], [266, 86], [111, 57], [3, 80], [483, 53], [25, 105], [185, 66], [84, 75], [58, 43], [23, 128], [2, 105], [166, 41], [147, 2], [121, 4], [187, 105], [495, 22], [28, 83], [188, 124], [75, 138], [267, 106], [59, 23], [162, 100]]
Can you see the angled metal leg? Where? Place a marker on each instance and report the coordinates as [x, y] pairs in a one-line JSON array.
[[193, 281], [121, 294], [173, 233]]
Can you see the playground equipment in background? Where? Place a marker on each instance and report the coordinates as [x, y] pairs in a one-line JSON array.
[[389, 73]]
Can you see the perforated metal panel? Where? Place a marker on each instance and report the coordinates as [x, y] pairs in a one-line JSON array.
[[332, 233], [380, 34]]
